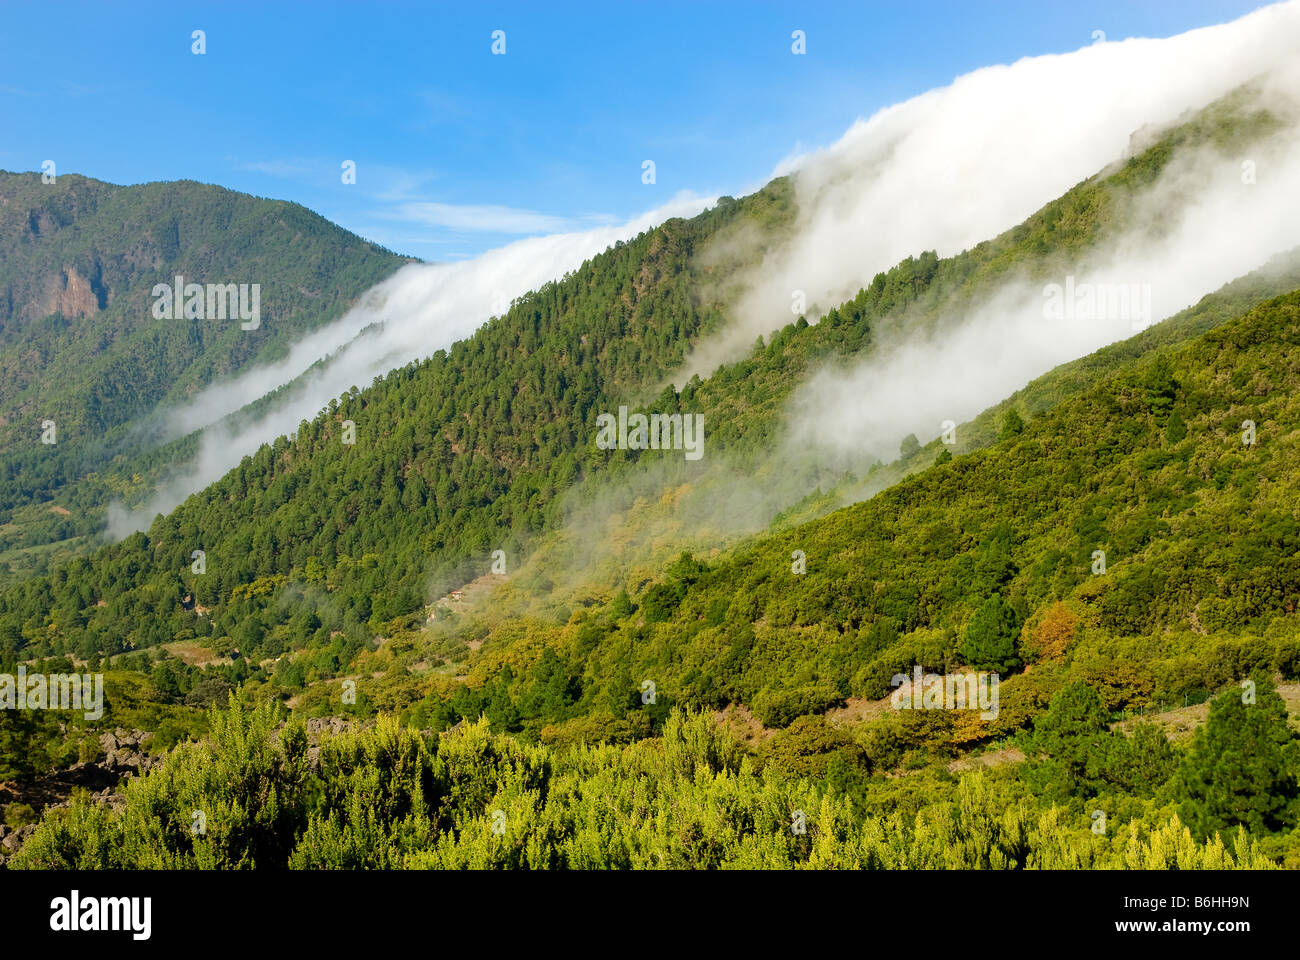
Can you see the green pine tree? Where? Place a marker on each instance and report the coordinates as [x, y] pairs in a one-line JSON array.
[[1012, 424], [1175, 429], [1242, 767], [991, 636], [1063, 740]]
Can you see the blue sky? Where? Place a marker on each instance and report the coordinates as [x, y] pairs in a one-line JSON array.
[[458, 150]]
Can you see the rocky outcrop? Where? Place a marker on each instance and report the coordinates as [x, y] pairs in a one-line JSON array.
[[11, 840], [333, 726], [319, 727], [121, 757], [123, 752]]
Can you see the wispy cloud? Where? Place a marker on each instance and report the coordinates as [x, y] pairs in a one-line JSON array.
[[400, 195], [375, 181], [489, 218], [284, 169]]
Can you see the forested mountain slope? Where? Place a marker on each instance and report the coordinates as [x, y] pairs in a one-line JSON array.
[[987, 560]]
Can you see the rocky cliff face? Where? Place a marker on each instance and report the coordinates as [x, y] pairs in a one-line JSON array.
[[72, 295]]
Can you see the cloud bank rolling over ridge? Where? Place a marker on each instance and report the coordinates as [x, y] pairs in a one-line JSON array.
[[963, 163], [1215, 224], [942, 171], [1198, 226], [914, 383]]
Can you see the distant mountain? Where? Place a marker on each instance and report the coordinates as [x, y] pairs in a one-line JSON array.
[[82, 345]]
